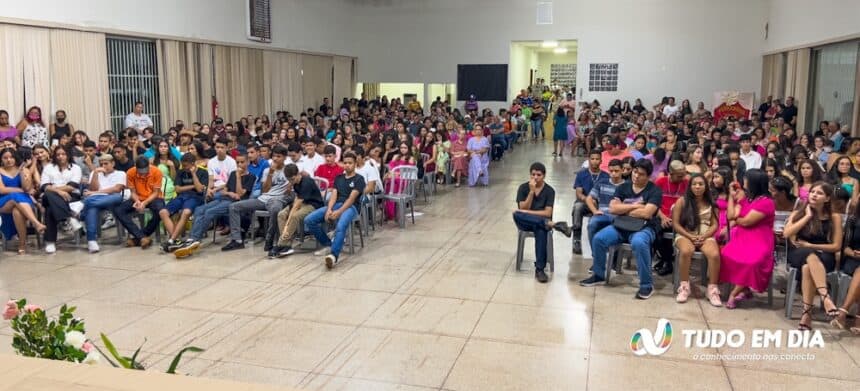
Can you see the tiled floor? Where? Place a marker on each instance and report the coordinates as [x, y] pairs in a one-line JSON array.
[[438, 305]]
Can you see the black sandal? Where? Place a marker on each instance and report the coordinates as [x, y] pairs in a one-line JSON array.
[[830, 313], [807, 310]]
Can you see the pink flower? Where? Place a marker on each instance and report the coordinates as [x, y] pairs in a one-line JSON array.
[[87, 347], [11, 310], [31, 308]]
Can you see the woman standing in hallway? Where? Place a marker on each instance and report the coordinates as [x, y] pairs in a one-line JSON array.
[[537, 117], [479, 157], [559, 134]]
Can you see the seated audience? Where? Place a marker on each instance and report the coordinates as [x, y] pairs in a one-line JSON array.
[[307, 199], [638, 202], [191, 183], [103, 195], [341, 210], [814, 232], [16, 204], [585, 180], [144, 181], [535, 200], [478, 148], [694, 218], [60, 192], [747, 259]]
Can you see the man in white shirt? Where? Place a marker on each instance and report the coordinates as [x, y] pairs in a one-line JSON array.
[[366, 170], [311, 160], [751, 158], [105, 193], [219, 168], [670, 108], [137, 119]]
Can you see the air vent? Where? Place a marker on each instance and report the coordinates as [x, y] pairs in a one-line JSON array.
[[544, 12], [260, 20]]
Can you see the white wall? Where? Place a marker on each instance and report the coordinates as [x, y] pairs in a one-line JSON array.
[[798, 23], [315, 26], [545, 60], [685, 48], [396, 90]]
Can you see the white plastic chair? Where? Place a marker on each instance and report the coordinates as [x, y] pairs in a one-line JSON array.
[[401, 190]]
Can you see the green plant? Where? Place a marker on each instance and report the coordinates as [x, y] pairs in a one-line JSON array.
[[132, 363]]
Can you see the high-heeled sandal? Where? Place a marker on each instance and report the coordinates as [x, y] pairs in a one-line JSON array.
[[826, 296], [807, 310], [835, 321]]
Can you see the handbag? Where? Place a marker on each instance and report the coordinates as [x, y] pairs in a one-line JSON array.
[[629, 224]]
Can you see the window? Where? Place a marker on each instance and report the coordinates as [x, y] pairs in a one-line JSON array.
[[132, 76], [259, 20], [834, 74]]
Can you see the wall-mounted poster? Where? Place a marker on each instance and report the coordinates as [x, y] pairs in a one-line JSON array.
[[603, 77], [563, 75]]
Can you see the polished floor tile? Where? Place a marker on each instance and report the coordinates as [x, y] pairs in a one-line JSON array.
[[438, 305]]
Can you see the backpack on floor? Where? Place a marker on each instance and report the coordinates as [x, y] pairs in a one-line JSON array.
[[498, 151]]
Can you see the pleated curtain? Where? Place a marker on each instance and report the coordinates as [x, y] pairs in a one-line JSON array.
[[238, 81], [797, 81], [282, 82], [187, 70], [370, 90], [343, 79], [316, 79], [79, 79], [773, 75], [25, 70]]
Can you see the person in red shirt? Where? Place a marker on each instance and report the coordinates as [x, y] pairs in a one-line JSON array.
[[330, 169], [673, 186]]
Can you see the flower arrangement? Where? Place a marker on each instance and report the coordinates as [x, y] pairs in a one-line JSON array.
[[64, 338], [60, 338]]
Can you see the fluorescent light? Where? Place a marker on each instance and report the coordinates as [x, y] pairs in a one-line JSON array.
[[549, 44], [559, 50]]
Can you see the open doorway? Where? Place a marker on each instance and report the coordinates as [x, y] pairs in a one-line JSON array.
[[549, 63]]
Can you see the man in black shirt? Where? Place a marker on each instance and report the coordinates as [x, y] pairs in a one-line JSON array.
[[535, 200], [239, 187], [341, 210], [638, 199], [308, 199], [120, 157], [789, 112]]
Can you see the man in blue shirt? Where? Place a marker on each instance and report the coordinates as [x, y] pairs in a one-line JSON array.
[[256, 166], [585, 180], [600, 196]]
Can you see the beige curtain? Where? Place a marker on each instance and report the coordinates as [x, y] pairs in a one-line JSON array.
[[11, 72], [79, 79], [206, 81], [316, 79], [25, 70], [187, 94], [797, 81], [343, 81], [238, 81], [370, 90], [282, 82], [773, 76]]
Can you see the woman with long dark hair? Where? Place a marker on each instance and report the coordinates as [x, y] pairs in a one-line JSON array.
[[694, 218], [809, 173], [720, 182], [850, 265], [32, 128], [16, 205], [840, 175], [61, 187], [814, 231], [168, 165], [747, 260]]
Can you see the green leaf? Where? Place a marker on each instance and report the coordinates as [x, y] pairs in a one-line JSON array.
[[120, 359], [134, 362], [175, 362]]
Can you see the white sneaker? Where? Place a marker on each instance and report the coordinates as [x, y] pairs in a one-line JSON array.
[[76, 207], [50, 248], [75, 224], [93, 246], [323, 252], [109, 222]]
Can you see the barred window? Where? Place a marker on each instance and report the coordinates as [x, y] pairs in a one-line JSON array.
[[132, 76], [259, 20]]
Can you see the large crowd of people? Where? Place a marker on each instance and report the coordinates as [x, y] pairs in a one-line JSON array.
[[312, 172], [667, 180], [670, 182]]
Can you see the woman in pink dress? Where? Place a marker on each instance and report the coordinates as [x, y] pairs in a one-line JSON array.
[[747, 260], [720, 181], [459, 156], [404, 157]]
